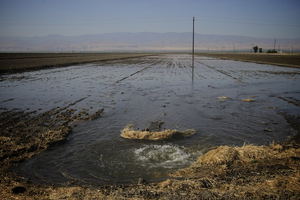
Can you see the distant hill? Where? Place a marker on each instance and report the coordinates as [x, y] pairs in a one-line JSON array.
[[143, 41]]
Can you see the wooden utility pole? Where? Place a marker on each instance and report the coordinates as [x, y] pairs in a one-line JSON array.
[[193, 48]]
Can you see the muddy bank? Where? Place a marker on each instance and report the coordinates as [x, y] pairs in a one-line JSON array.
[[25, 134], [286, 60], [251, 172], [19, 62], [225, 172]]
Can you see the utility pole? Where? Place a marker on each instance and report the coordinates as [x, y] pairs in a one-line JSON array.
[[193, 48], [274, 44]]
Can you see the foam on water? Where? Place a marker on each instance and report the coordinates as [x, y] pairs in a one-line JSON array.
[[167, 156]]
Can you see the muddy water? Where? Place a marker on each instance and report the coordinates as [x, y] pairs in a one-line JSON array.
[[142, 90]]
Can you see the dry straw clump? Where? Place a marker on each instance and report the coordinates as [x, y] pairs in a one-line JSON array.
[[246, 154], [129, 133], [247, 172], [248, 100], [219, 156], [223, 97]]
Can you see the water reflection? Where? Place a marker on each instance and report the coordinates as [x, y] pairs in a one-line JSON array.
[[156, 88]]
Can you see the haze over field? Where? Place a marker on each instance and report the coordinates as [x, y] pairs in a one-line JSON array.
[[143, 42], [148, 25]]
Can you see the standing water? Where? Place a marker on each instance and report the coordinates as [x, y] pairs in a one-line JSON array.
[[228, 103]]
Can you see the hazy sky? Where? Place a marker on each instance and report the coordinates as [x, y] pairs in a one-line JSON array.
[[255, 18]]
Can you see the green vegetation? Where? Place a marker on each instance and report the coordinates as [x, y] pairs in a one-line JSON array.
[[272, 51], [255, 48]]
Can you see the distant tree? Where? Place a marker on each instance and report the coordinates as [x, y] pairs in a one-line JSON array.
[[271, 51], [255, 48], [260, 50]]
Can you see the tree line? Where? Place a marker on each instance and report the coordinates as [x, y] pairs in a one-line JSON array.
[[255, 49]]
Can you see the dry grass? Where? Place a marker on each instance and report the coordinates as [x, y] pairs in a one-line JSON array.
[[248, 100], [223, 98], [129, 133], [248, 171], [219, 156], [245, 154]]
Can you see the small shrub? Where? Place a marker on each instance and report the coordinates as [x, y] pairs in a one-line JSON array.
[[271, 51]]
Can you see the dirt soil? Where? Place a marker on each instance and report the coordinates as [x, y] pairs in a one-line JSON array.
[[287, 60], [18, 62], [247, 172]]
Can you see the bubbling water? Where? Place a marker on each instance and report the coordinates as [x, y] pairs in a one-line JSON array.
[[166, 156]]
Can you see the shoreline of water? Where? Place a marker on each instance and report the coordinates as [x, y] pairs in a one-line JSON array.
[[160, 92]]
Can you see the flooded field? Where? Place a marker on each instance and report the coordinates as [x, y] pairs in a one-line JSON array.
[[227, 103]]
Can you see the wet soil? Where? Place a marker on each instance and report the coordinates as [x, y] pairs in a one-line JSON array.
[[19, 62], [250, 172], [287, 60]]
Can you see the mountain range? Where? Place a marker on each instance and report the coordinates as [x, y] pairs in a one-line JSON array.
[[143, 41]]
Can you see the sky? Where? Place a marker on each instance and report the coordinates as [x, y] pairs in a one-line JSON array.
[[254, 18]]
